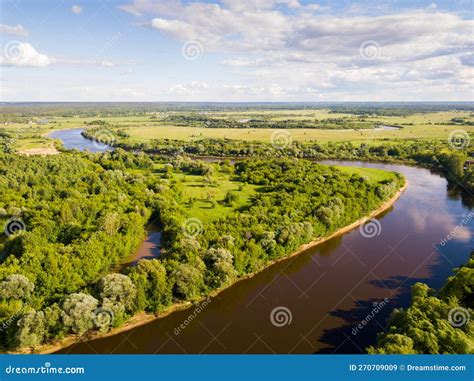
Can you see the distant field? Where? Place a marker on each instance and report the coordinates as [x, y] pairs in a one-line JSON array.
[[143, 128], [143, 134]]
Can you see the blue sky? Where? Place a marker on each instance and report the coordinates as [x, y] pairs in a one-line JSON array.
[[248, 50]]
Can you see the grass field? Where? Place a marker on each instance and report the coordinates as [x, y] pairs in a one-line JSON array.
[[193, 187], [144, 134], [372, 175], [143, 128]]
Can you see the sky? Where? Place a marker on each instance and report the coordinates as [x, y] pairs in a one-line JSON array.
[[236, 50]]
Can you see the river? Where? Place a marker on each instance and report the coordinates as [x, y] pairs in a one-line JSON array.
[[325, 292], [73, 139]]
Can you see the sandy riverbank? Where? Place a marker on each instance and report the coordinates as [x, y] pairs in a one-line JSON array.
[[144, 318], [39, 151]]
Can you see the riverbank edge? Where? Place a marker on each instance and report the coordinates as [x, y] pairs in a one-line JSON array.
[[143, 318]]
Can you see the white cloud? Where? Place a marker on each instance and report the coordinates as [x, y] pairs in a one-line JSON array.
[[289, 48], [192, 88], [23, 54], [76, 9], [17, 30]]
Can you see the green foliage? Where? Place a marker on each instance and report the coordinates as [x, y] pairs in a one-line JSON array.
[[78, 312], [430, 324], [84, 214], [189, 282], [153, 289], [31, 329]]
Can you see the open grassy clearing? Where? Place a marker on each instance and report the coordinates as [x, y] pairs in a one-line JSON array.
[[373, 175], [202, 207], [206, 200]]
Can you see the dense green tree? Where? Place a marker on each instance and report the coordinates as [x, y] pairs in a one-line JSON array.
[[78, 312]]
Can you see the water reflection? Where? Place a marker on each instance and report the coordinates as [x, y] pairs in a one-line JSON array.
[[73, 139]]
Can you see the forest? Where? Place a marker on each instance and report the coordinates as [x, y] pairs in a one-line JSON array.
[[423, 327], [72, 218], [434, 154]]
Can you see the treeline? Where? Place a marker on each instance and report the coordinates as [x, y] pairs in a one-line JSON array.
[[69, 221], [434, 154], [434, 323], [199, 120], [85, 213]]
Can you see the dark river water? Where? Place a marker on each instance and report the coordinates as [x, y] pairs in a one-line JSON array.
[[313, 302]]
